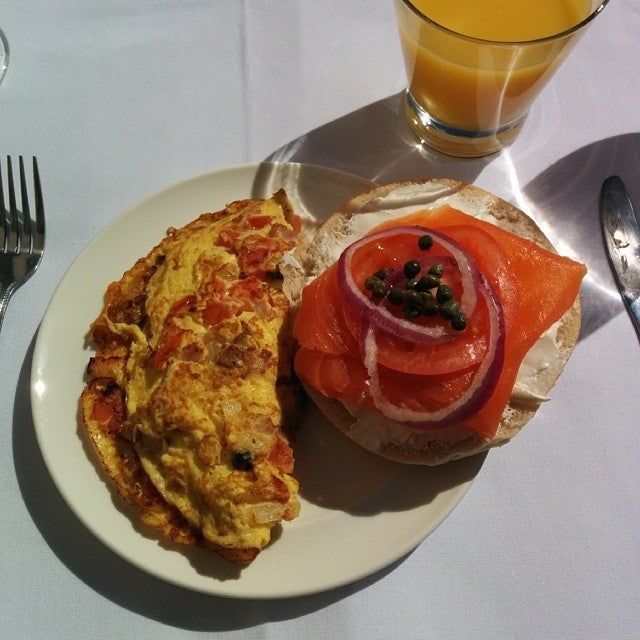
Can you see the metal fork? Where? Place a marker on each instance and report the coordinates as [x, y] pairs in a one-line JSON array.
[[21, 238]]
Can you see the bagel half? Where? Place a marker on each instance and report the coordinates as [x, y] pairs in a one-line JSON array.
[[381, 435]]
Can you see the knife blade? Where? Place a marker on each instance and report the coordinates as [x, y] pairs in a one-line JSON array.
[[622, 239]]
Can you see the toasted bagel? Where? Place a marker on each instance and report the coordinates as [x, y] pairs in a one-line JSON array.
[[391, 439]]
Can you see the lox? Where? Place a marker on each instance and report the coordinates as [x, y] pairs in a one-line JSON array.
[[429, 401]]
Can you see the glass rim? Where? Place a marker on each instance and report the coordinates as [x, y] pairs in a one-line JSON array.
[[509, 43], [4, 54]]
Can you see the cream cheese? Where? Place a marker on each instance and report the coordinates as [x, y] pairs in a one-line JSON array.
[[544, 354]]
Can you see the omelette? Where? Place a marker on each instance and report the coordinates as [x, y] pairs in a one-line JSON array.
[[190, 401]]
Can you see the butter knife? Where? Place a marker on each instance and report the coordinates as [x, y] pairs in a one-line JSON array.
[[622, 239]]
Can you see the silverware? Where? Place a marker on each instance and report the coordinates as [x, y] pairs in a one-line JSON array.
[[21, 238], [622, 239]]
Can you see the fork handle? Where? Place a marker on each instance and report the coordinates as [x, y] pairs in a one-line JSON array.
[[5, 294]]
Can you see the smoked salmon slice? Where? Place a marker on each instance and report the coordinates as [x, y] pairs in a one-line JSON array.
[[534, 287], [320, 322]]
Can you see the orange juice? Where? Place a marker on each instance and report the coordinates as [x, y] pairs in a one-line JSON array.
[[505, 20], [481, 72]]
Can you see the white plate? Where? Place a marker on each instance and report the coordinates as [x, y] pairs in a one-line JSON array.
[[359, 513]]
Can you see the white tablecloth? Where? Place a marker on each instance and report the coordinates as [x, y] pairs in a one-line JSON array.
[[118, 99]]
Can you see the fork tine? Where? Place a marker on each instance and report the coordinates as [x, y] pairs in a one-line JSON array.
[[38, 239], [3, 216], [25, 235], [13, 238], [20, 250]]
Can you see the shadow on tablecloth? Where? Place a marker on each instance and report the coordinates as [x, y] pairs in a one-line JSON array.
[[375, 143], [564, 201]]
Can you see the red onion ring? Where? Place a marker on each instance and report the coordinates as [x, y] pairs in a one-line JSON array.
[[470, 402], [380, 316]]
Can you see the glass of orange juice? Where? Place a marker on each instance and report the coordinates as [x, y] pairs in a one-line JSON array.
[[475, 66]]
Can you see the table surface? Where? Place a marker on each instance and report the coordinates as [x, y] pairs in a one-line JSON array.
[[120, 99]]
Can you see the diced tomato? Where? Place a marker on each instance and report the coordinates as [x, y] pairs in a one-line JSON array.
[[216, 312], [249, 289], [259, 222], [181, 306], [227, 238], [170, 340], [295, 221], [279, 489], [108, 411], [253, 258], [281, 456], [101, 411]]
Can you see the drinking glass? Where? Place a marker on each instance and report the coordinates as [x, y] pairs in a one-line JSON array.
[[469, 96], [4, 54]]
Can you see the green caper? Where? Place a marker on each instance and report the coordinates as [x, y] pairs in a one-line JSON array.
[[436, 269], [411, 284], [428, 282], [371, 282], [380, 290], [381, 274], [429, 308], [459, 322], [450, 309], [426, 296], [445, 292], [411, 312], [425, 242], [396, 296], [411, 269], [412, 298]]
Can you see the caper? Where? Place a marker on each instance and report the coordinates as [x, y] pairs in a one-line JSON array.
[[428, 282], [426, 296], [379, 290], [436, 269], [371, 282], [445, 292], [450, 309], [396, 296], [459, 322], [429, 308], [411, 312], [411, 269], [411, 284], [425, 242], [412, 298], [381, 274]]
